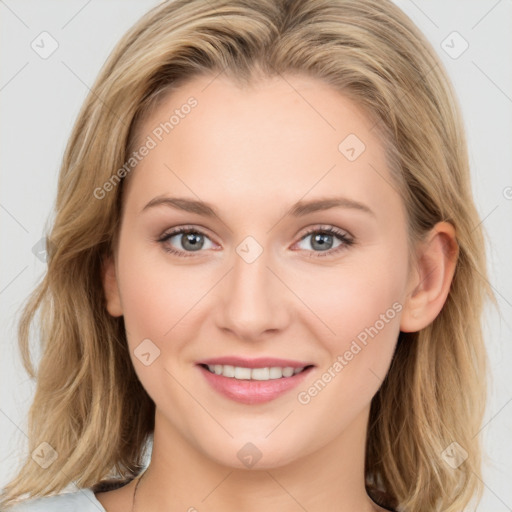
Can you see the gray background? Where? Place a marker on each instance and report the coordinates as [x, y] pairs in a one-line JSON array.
[[40, 99]]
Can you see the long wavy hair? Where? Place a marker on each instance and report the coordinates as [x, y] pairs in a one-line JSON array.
[[89, 405]]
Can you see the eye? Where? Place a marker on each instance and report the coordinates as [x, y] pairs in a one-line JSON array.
[[188, 240], [323, 241]]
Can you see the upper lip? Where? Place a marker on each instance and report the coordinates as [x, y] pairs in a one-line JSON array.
[[259, 362]]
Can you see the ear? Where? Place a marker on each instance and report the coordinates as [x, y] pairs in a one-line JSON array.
[[110, 286], [430, 282]]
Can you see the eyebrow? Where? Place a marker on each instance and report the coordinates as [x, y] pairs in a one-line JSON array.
[[299, 209]]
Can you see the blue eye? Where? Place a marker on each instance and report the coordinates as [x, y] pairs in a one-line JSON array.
[[193, 240], [324, 240]]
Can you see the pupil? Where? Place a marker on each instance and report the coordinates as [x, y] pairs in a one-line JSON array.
[[320, 238], [192, 241]]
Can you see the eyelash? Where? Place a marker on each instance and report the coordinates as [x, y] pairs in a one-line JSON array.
[[346, 241]]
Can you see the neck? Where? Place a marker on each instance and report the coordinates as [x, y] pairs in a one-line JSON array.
[[181, 477]]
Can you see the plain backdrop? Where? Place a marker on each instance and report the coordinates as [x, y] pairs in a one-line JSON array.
[[40, 96]]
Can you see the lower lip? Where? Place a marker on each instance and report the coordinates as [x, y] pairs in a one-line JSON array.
[[252, 391]]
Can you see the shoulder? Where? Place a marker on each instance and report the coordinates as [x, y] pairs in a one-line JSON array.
[[82, 500]]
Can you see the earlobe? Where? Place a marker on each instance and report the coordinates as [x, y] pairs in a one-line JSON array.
[[430, 285], [110, 287]]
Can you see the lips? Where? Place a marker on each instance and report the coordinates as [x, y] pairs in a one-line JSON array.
[[249, 390], [259, 362]]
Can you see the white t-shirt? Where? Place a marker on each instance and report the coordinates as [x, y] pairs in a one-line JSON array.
[[82, 500]]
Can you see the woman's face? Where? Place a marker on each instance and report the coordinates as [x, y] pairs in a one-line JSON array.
[[301, 255]]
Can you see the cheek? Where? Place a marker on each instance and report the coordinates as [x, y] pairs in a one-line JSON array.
[[355, 297], [361, 305], [157, 298], [155, 294]]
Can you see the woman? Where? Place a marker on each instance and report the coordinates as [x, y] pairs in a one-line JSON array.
[[321, 346]]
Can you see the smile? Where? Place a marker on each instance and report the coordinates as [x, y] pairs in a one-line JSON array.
[[243, 373], [253, 386]]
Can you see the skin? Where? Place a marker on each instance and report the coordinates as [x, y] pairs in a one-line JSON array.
[[252, 153]]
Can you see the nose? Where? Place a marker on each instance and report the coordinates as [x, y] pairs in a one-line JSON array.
[[254, 300]]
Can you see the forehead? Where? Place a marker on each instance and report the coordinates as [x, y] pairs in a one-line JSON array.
[[282, 137]]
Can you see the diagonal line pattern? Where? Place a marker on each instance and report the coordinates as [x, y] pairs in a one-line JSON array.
[[487, 487], [277, 73], [305, 194], [377, 376], [486, 14], [14, 423], [488, 215], [14, 76], [76, 14], [285, 418], [9, 8], [199, 300], [13, 279], [334, 334], [94, 93], [299, 94], [424, 14], [199, 403], [494, 288], [212, 80], [286, 491], [492, 417], [60, 469], [14, 218], [216, 487], [492, 81], [267, 267], [220, 220], [422, 78], [399, 192]]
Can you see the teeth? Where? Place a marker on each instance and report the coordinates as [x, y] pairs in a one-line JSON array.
[[287, 372], [241, 373], [276, 373], [260, 373], [228, 370]]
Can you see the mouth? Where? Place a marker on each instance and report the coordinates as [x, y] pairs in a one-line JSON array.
[[259, 374], [251, 382]]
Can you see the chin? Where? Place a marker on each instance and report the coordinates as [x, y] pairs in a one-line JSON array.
[[255, 452]]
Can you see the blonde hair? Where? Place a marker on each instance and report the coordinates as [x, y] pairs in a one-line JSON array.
[[89, 404]]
